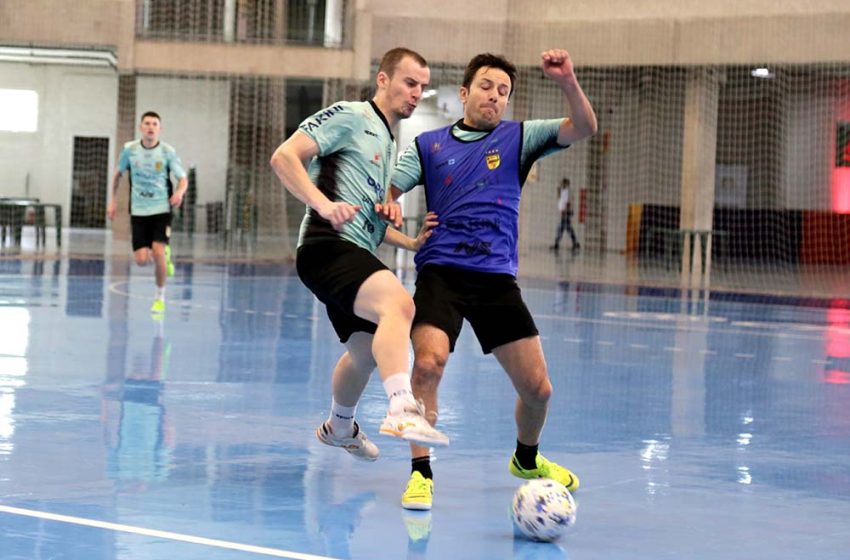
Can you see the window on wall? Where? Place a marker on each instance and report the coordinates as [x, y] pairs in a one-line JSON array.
[[305, 21], [303, 98], [310, 22], [18, 110], [192, 20]]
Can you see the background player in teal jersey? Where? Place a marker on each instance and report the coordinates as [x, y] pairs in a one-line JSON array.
[[151, 163], [339, 163], [473, 172]]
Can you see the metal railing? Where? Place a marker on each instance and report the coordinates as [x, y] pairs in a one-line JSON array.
[[319, 23]]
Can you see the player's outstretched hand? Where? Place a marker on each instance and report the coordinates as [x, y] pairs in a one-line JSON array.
[[390, 213], [427, 229]]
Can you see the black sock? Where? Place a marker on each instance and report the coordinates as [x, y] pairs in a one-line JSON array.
[[526, 455], [422, 465]]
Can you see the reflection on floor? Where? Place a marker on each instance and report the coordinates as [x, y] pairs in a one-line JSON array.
[[701, 428], [587, 265]]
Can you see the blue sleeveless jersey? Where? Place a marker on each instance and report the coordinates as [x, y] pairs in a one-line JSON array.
[[474, 187]]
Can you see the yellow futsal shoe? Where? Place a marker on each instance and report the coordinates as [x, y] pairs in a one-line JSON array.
[[169, 266], [418, 525], [419, 492], [545, 469], [158, 306]]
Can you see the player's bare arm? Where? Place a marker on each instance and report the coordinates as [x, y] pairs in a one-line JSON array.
[[558, 66], [289, 163]]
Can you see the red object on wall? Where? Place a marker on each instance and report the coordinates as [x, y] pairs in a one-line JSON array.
[[582, 205], [841, 190], [826, 238]]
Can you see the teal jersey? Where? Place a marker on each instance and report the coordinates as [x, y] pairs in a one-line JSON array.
[[357, 153], [150, 187], [539, 139]]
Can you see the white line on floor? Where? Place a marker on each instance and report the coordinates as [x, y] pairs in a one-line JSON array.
[[160, 534]]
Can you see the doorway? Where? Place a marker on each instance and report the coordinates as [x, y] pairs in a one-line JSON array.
[[89, 182]]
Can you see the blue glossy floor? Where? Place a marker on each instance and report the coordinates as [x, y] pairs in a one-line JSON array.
[[714, 428]]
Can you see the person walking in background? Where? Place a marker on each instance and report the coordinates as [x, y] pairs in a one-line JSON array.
[[565, 207], [150, 164]]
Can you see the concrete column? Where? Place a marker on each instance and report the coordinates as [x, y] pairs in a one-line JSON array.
[[698, 164], [126, 36], [280, 22], [125, 132], [362, 46]]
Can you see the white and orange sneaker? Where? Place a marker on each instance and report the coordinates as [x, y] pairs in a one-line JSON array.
[[357, 444], [410, 424]]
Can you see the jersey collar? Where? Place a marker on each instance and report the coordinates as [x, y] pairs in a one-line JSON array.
[[383, 119]]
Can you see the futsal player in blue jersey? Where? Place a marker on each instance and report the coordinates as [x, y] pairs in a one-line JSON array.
[[150, 164], [339, 163], [473, 172]]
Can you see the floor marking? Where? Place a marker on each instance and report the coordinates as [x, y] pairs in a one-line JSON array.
[[160, 534], [672, 349], [782, 358], [641, 346], [745, 356], [708, 352], [657, 321]]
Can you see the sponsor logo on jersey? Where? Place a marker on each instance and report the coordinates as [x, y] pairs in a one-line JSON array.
[[476, 247], [376, 187], [321, 118]]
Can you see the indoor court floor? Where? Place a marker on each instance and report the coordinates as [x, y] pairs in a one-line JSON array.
[[714, 428]]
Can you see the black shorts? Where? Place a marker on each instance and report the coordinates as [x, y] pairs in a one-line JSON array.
[[492, 303], [334, 272], [147, 229]]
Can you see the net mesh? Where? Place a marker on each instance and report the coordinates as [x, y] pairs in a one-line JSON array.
[[737, 175]]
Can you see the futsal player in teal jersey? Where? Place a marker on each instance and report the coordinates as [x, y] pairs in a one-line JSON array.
[[473, 172], [339, 163], [150, 164]]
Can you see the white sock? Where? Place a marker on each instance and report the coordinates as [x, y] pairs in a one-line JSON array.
[[341, 419], [399, 391], [160, 292]]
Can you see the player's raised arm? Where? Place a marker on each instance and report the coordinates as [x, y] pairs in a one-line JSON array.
[[558, 66]]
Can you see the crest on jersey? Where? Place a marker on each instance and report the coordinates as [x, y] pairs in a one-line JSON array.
[[493, 160], [158, 166]]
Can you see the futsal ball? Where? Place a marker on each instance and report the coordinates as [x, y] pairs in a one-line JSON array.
[[543, 509]]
